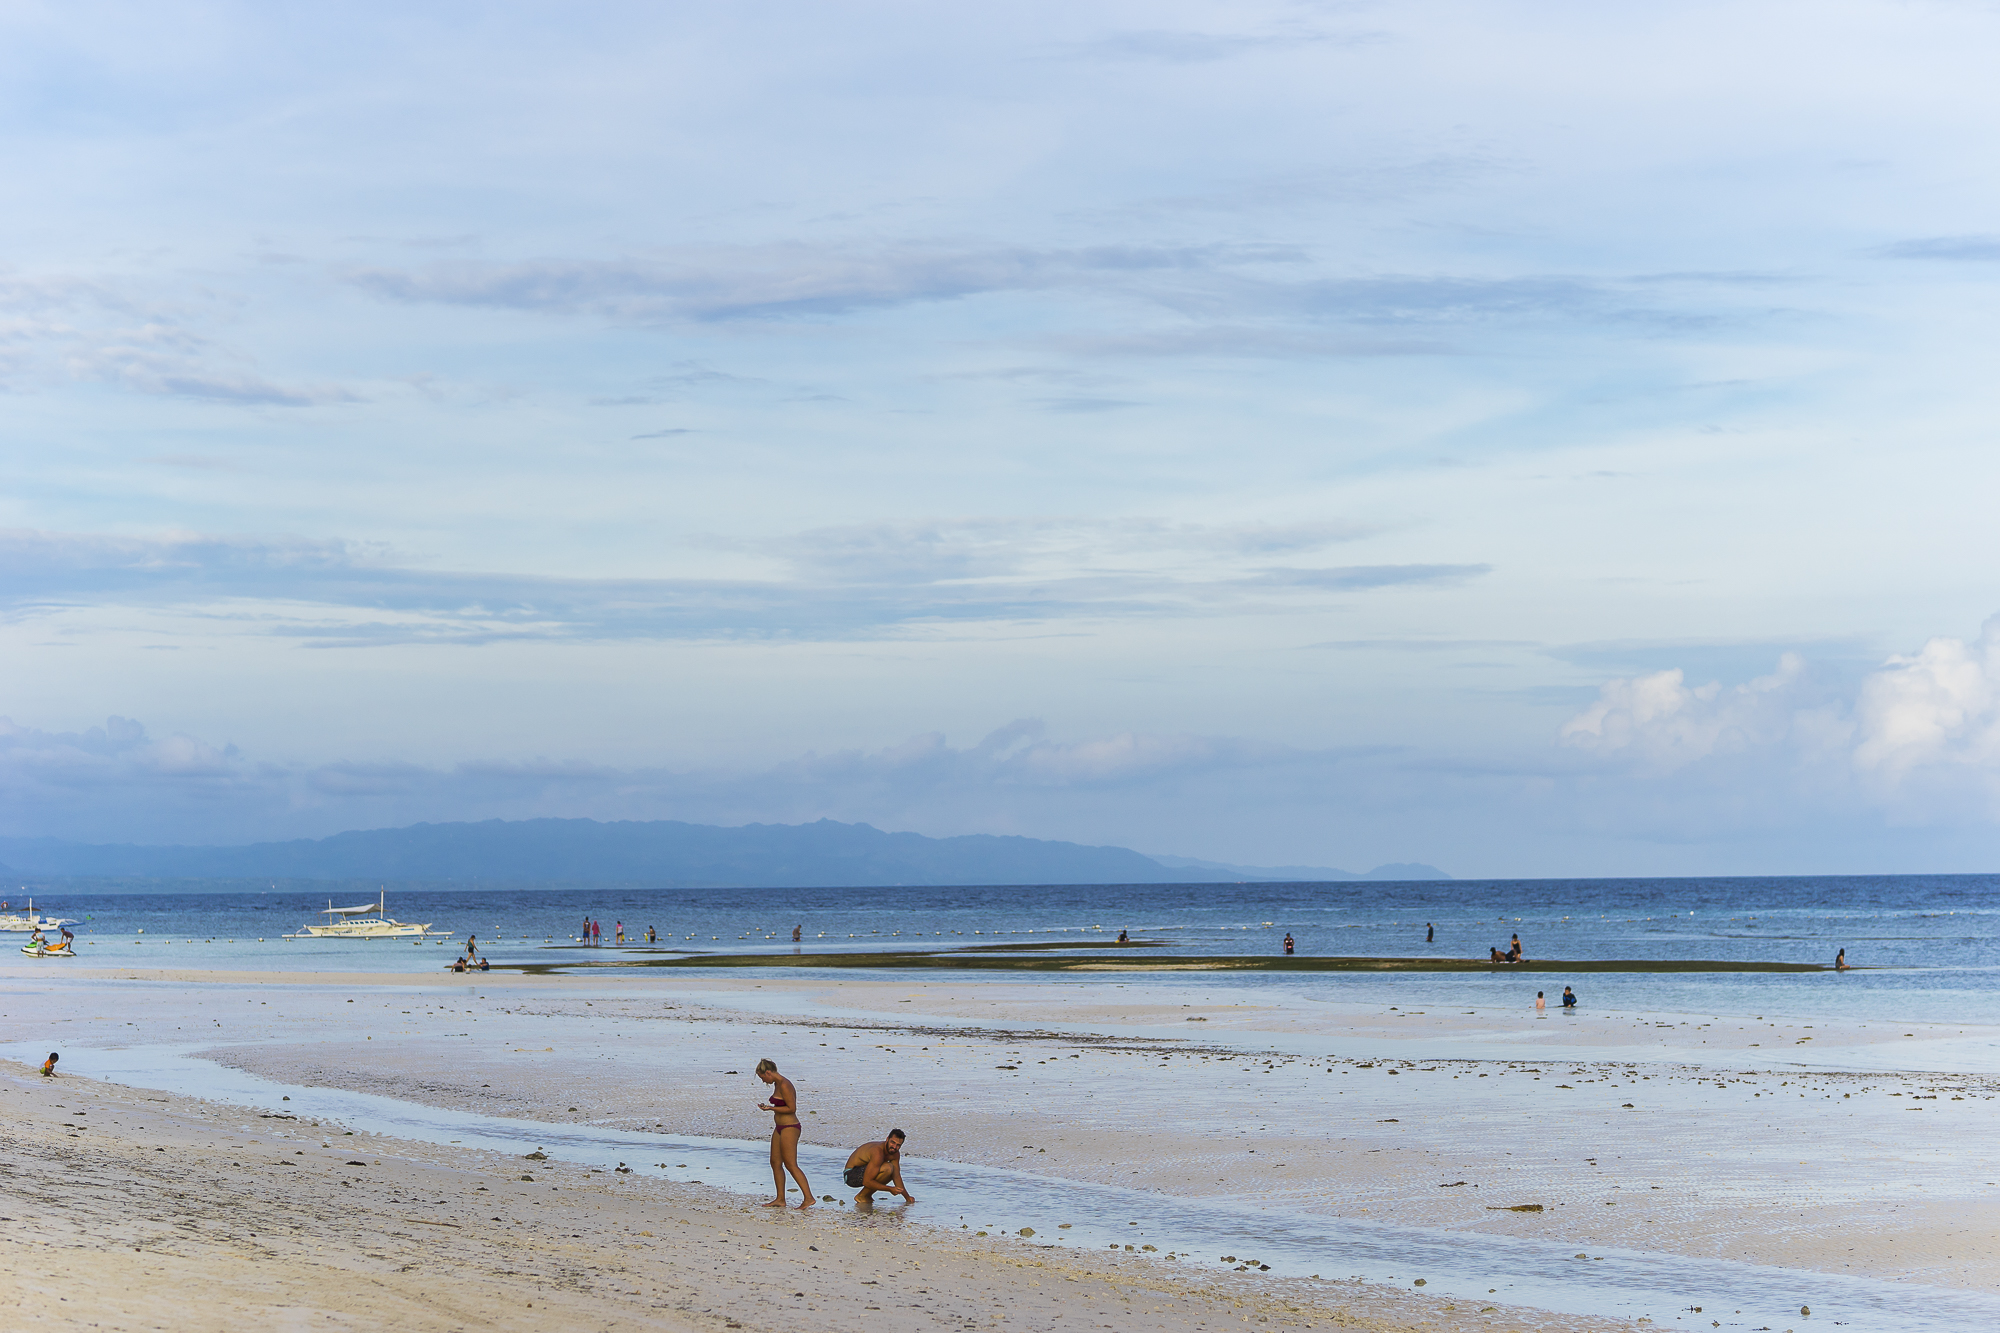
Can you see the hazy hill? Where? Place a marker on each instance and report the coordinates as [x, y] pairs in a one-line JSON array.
[[1403, 870], [662, 852]]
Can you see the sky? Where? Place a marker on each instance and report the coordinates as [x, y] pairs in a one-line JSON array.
[[1529, 438]]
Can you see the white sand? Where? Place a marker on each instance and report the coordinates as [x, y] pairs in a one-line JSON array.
[[1729, 1149]]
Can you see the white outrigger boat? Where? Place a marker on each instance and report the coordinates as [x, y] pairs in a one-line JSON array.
[[369, 921], [14, 923]]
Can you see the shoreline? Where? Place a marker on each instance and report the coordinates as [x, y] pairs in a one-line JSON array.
[[978, 1067], [990, 958], [170, 1212]]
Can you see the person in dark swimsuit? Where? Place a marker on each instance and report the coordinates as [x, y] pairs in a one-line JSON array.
[[1840, 961], [878, 1166], [1430, 933], [1290, 944], [785, 1130], [1569, 998]]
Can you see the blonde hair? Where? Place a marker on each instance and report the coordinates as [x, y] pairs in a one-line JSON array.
[[767, 1066]]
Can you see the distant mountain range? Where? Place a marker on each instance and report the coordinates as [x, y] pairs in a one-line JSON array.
[[665, 853]]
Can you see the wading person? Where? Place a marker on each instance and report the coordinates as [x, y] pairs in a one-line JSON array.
[[785, 1130], [878, 1166]]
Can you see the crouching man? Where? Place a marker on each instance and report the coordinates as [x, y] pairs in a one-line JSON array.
[[878, 1166]]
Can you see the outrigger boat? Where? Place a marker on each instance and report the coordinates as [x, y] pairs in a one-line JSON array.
[[14, 923], [369, 921]]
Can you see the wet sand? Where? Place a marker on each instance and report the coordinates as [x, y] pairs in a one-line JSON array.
[[1813, 1146], [134, 1210]]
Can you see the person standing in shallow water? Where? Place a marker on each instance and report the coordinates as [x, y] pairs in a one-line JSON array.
[[1290, 944], [1430, 933], [783, 1105]]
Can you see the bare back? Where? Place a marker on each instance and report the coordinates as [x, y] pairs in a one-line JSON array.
[[874, 1156]]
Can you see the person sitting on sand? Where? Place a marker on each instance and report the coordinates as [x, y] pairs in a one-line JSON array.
[[785, 1130], [1569, 998], [878, 1166], [49, 1065], [1498, 957], [1840, 961], [458, 965], [485, 966]]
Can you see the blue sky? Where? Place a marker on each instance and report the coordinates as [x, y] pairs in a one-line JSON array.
[[1529, 438]]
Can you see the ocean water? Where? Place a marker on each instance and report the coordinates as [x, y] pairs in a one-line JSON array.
[[1928, 946]]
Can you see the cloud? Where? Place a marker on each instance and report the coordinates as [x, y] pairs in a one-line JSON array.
[[844, 583], [1983, 248], [116, 756], [1257, 301], [1189, 48], [1661, 720], [1919, 730], [1936, 708], [794, 280], [106, 330], [1021, 754], [116, 782]]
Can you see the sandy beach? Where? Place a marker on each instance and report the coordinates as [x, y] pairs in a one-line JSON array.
[[1850, 1150]]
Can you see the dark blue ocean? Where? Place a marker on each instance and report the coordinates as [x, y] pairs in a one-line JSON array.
[[1928, 946]]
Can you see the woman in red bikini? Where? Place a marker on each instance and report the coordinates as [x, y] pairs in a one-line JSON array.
[[785, 1129]]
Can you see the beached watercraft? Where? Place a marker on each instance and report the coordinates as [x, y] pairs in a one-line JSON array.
[[369, 921], [48, 951], [15, 923]]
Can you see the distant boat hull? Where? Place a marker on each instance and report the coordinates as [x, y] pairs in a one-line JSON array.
[[376, 929], [369, 921], [13, 923]]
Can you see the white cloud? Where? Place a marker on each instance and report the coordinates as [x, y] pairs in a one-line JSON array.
[[846, 583], [1920, 733], [1667, 724], [1936, 708]]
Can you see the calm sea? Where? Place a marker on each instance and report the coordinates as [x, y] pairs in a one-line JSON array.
[[1930, 944]]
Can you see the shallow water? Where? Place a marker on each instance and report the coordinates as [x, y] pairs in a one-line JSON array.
[[1936, 938], [1460, 1266]]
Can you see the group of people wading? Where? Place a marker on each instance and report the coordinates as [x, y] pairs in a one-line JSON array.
[[872, 1167]]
